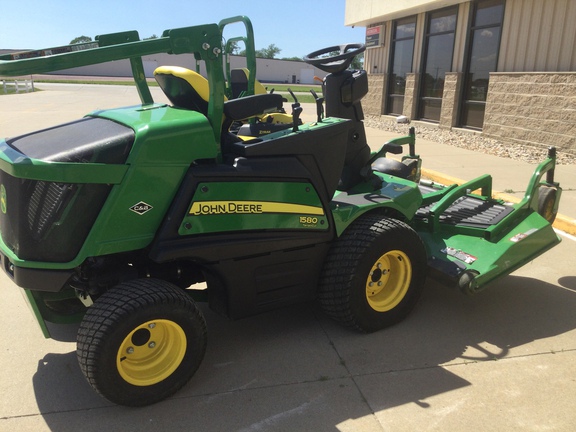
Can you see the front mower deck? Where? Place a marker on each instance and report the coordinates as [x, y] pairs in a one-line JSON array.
[[472, 238]]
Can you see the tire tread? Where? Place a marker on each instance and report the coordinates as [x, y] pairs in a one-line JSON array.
[[343, 260], [115, 306]]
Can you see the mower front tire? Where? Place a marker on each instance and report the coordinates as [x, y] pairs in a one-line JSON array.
[[141, 342], [374, 274]]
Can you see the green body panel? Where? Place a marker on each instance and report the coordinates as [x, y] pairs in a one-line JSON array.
[[120, 229], [495, 251], [238, 206], [396, 194], [36, 301], [167, 141], [170, 135], [492, 259]]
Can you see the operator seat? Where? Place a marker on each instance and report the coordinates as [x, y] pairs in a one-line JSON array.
[[239, 83], [189, 90], [184, 87]]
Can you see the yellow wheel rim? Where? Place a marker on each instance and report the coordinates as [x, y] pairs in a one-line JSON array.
[[548, 211], [388, 281], [151, 352]]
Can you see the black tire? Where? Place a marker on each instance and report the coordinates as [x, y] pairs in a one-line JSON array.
[[546, 203], [374, 274], [141, 342]]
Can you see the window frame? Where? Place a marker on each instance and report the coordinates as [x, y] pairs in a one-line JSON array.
[[464, 88], [389, 95], [427, 36]]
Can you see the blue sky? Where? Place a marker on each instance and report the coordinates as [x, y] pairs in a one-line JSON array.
[[297, 27]]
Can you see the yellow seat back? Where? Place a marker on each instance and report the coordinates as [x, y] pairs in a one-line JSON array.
[[184, 87]]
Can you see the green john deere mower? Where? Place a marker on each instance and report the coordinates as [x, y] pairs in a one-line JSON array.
[[113, 221]]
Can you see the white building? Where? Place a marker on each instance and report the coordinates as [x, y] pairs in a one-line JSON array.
[[267, 70]]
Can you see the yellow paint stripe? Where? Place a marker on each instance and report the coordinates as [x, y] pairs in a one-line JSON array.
[[251, 207]]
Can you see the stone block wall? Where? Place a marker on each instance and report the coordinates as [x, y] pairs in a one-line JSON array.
[[450, 100], [373, 102], [536, 108], [411, 95]]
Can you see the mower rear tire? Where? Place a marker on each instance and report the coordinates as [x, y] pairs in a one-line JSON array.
[[374, 274], [141, 342]]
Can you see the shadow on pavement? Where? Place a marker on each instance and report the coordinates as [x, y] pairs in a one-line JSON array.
[[294, 369]]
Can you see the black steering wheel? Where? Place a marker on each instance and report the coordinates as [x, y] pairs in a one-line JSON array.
[[337, 62]]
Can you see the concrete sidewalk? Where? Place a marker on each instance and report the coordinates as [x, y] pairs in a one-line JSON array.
[[503, 360]]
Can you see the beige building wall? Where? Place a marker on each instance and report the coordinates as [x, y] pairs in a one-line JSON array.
[[362, 12], [376, 59], [538, 36], [532, 96]]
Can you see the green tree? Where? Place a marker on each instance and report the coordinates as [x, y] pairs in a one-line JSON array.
[[235, 48], [358, 62], [80, 39], [151, 37], [269, 52]]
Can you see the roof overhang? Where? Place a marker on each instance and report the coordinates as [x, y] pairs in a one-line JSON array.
[[362, 13]]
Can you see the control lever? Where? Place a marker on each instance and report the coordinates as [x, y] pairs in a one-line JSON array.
[[296, 111], [296, 103], [319, 106]]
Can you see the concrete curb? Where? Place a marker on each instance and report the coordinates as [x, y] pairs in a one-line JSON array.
[[562, 223]]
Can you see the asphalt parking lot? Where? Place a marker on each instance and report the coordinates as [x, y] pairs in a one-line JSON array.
[[503, 360]]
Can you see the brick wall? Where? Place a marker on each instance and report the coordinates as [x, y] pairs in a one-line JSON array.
[[537, 109]]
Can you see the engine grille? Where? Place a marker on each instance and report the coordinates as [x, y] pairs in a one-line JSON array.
[[49, 221]]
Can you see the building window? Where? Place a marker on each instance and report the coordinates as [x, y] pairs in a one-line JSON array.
[[401, 63], [484, 43], [439, 48]]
